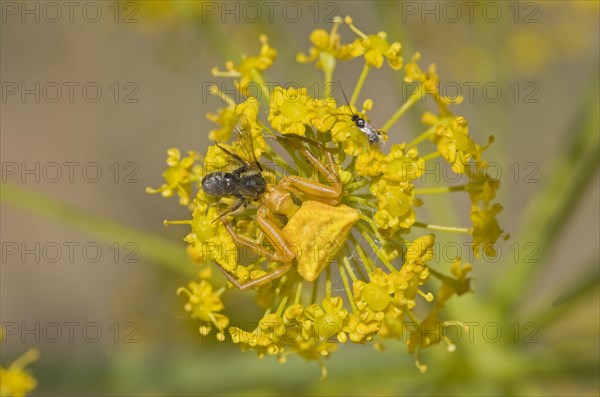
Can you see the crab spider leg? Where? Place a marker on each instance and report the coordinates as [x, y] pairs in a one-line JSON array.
[[282, 251], [328, 194], [280, 271], [309, 155], [324, 193], [239, 206], [274, 235]]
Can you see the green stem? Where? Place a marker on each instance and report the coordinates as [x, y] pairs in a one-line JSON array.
[[346, 285], [356, 185], [549, 211], [367, 262], [413, 318], [360, 200], [282, 281], [353, 263], [452, 282], [313, 295], [360, 83], [376, 249], [298, 293], [25, 359], [328, 60], [414, 98], [257, 77], [328, 79], [441, 189], [327, 282], [279, 311], [349, 268], [371, 223], [423, 136], [169, 254], [431, 156], [464, 230]]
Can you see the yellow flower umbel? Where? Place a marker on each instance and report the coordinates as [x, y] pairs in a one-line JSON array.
[[250, 68], [16, 380], [178, 176], [291, 110], [355, 270]]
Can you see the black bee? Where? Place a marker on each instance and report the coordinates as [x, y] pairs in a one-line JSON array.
[[246, 182]]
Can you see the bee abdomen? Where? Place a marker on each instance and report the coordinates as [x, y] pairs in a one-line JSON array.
[[218, 183]]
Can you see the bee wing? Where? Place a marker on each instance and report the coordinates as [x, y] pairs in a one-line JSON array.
[[246, 144], [233, 155]]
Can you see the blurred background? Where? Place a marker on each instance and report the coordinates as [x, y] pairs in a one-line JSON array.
[[93, 93]]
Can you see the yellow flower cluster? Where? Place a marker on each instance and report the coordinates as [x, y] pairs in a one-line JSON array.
[[179, 176], [291, 110], [204, 304], [327, 48], [16, 380], [373, 270], [250, 68]]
